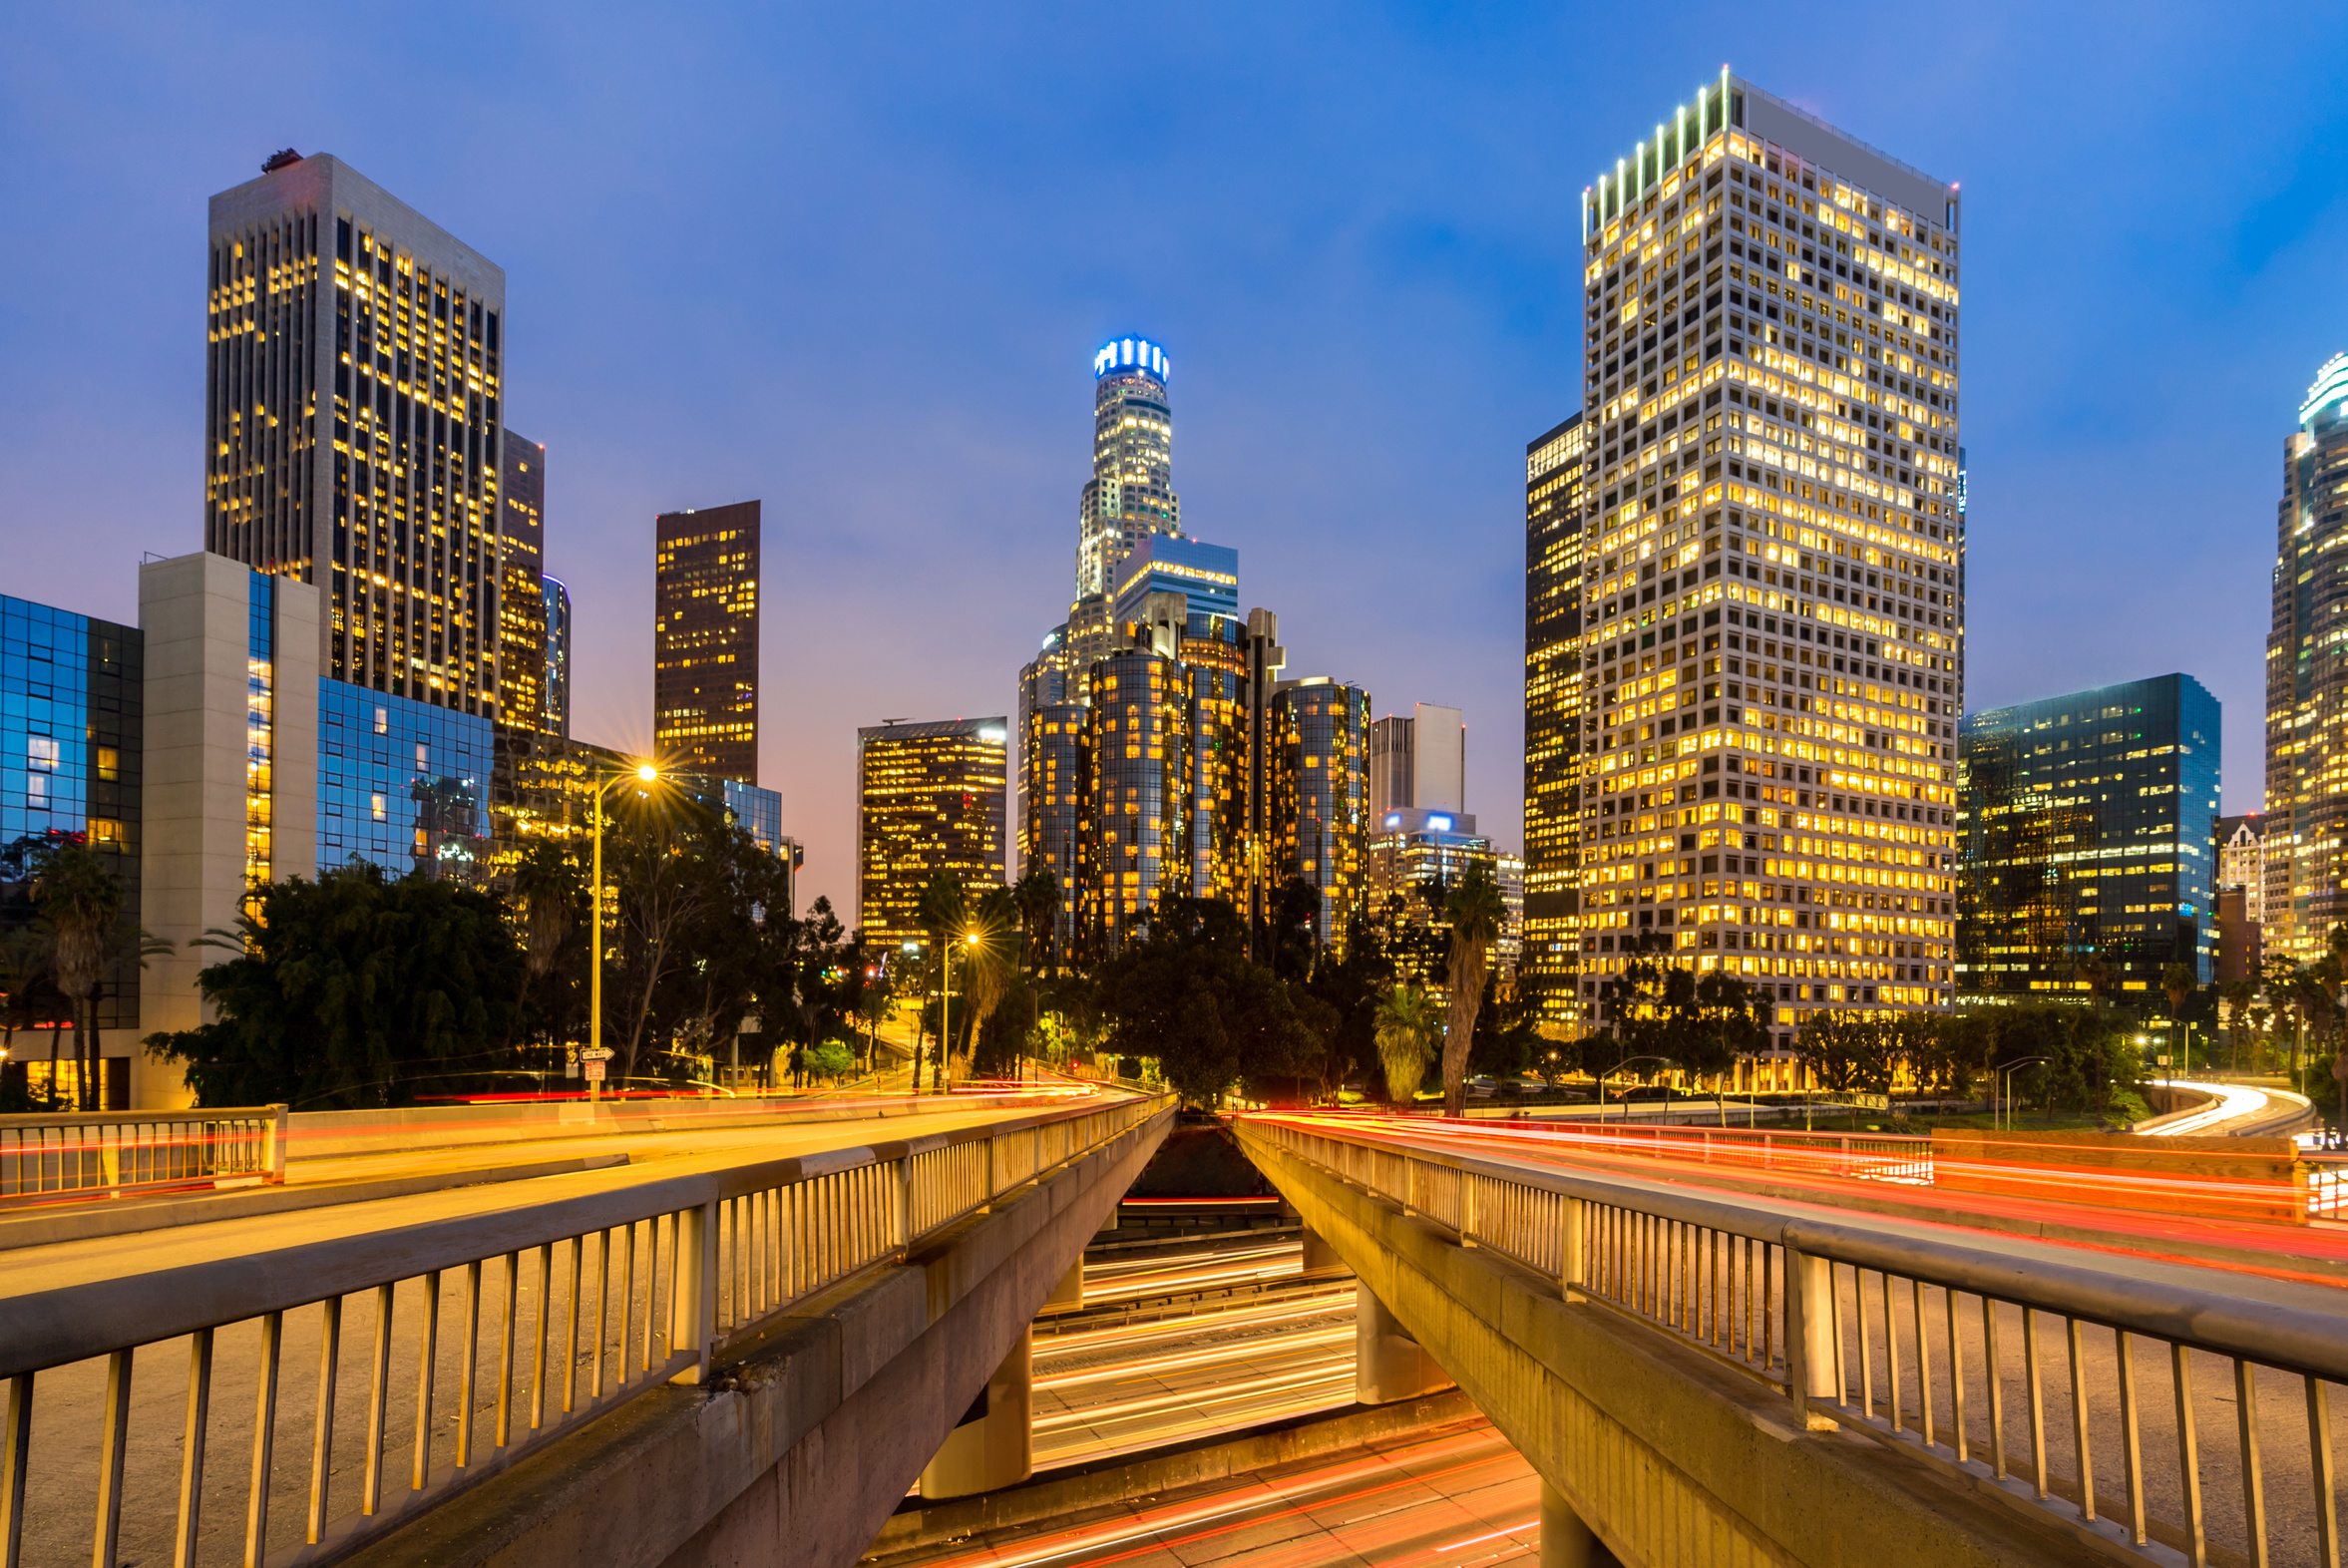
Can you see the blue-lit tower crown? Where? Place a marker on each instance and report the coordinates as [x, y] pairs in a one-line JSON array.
[[1131, 493]]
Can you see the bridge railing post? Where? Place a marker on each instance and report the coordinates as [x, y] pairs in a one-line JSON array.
[[276, 1136], [1810, 1335], [692, 1323], [1570, 1266]]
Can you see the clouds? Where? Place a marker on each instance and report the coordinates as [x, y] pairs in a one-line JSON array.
[[855, 261]]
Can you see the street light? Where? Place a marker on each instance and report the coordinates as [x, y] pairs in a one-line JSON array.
[[2007, 1072], [1617, 1068], [946, 1010], [644, 773]]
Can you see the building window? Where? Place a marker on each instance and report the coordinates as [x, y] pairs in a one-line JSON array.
[[110, 764], [378, 808], [382, 721], [41, 753], [106, 833]]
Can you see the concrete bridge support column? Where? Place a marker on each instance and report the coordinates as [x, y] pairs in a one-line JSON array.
[[1388, 1364], [1320, 1259], [1067, 1296], [1566, 1541], [995, 1444]]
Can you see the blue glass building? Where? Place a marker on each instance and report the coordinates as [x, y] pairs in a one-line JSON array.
[[1206, 575], [70, 772], [401, 784], [2087, 827]]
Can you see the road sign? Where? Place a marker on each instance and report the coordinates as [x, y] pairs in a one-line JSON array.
[[597, 1053], [594, 1071]]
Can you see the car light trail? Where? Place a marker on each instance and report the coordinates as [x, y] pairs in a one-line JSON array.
[[1241, 1350], [1293, 1309]]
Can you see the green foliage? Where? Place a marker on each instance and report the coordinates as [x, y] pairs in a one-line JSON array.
[[831, 1059], [352, 992], [1849, 1051], [1407, 1035], [1475, 910], [1188, 995]]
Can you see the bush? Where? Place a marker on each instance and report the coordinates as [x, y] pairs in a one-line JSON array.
[[1129, 1068]]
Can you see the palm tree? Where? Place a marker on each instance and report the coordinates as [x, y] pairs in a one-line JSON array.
[[548, 887], [1474, 911], [987, 956], [81, 900], [942, 910], [2179, 980], [1038, 897], [1405, 1027], [2093, 973], [2236, 995]]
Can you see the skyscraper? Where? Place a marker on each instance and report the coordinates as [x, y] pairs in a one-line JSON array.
[[2089, 829], [2306, 826], [705, 640], [1419, 761], [1131, 493], [352, 399], [555, 685], [1553, 710], [1774, 558], [1317, 767], [928, 798], [522, 549]]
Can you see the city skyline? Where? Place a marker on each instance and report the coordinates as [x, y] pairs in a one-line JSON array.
[[1286, 477]]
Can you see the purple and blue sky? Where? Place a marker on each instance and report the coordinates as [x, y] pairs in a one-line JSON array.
[[855, 260]]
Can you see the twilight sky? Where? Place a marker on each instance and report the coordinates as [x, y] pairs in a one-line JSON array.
[[855, 260]]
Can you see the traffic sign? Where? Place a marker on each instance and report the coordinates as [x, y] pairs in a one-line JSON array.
[[594, 1071], [597, 1053]]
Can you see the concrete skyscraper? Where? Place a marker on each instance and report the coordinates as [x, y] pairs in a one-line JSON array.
[[352, 403], [1772, 543], [705, 640], [2306, 821], [928, 798]]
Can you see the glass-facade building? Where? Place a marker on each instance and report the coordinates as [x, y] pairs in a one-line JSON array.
[[930, 797], [403, 784], [522, 600], [70, 756], [1772, 551], [1319, 767], [1206, 576], [1139, 819], [1553, 702], [1414, 855], [554, 685], [2089, 828], [2307, 819]]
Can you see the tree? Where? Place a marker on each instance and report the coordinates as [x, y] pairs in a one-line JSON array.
[[1476, 913], [80, 900], [1724, 1019], [990, 962], [550, 894], [353, 992], [2237, 995], [1187, 993], [1037, 895], [942, 910], [1407, 1030], [2179, 982], [1849, 1051]]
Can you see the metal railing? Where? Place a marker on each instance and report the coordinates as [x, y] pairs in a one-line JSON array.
[[488, 1330], [1941, 1350], [2248, 1185], [70, 1154]]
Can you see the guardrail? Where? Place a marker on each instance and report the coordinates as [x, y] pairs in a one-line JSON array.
[[1936, 1348], [2221, 1178], [108, 1153], [590, 1300]]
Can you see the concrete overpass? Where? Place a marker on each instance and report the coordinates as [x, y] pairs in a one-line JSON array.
[[745, 1351], [1701, 1376]]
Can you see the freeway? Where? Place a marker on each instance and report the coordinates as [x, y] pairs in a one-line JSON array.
[[1455, 1497], [2234, 1110], [1114, 1384]]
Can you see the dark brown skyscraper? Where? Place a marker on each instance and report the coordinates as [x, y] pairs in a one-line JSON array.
[[521, 601], [705, 640]]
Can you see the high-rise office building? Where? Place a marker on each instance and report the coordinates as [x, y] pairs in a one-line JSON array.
[[1774, 558], [1130, 496], [1413, 856], [352, 401], [2087, 829], [521, 601], [1206, 576], [1138, 824], [1318, 769], [1553, 713], [1419, 761], [2241, 862], [928, 798], [2307, 684], [555, 682], [705, 640]]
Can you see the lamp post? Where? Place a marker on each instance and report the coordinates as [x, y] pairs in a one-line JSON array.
[[1611, 1071], [645, 773], [2007, 1072]]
